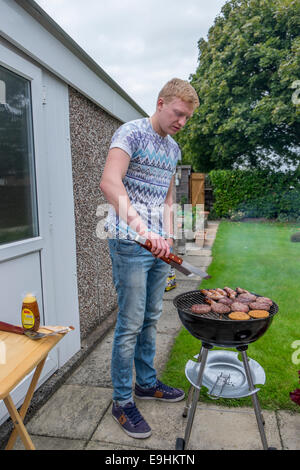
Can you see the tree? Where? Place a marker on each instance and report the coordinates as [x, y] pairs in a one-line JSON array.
[[247, 72]]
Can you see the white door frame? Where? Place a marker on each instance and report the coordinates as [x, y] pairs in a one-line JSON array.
[[59, 303]]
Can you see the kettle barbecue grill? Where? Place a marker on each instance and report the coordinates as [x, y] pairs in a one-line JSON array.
[[219, 330]]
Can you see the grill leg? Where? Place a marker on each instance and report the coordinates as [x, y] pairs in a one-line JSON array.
[[188, 401], [192, 410], [256, 405], [190, 392]]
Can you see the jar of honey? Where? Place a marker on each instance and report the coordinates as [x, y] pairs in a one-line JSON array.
[[30, 313]]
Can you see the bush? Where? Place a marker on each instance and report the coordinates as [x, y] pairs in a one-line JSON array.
[[261, 207], [289, 206], [295, 237], [255, 193]]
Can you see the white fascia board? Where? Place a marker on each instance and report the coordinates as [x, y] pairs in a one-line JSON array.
[[51, 47]]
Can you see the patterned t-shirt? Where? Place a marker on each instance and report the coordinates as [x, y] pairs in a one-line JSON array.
[[153, 160]]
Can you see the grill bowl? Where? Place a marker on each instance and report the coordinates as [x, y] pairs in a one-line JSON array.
[[220, 331]]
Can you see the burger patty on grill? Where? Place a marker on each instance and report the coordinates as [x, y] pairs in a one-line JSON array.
[[246, 298], [218, 307], [201, 308], [259, 306], [226, 301]]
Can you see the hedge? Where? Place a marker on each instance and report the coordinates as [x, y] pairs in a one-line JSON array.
[[255, 193]]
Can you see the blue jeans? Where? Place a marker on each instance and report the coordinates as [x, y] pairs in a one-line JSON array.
[[140, 281]]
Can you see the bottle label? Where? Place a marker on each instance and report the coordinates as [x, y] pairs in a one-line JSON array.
[[27, 318]]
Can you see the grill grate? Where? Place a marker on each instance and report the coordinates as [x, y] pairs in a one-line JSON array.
[[184, 302]]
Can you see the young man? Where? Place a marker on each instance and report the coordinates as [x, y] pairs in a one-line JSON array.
[[137, 181]]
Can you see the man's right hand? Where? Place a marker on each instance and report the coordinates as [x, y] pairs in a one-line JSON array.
[[160, 247]]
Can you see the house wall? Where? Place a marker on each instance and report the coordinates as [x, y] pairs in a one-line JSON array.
[[91, 130]]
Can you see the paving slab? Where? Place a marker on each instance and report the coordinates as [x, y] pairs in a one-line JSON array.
[[95, 370], [289, 424], [73, 412], [164, 344], [196, 279], [211, 232], [211, 223], [164, 418], [198, 260], [52, 443], [209, 243], [169, 322], [217, 428], [97, 445], [198, 252]]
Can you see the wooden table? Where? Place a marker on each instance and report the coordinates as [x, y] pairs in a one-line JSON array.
[[19, 356]]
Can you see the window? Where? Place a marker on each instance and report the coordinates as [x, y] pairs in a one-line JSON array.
[[18, 202]]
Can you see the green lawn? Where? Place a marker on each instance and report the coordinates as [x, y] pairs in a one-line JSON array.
[[260, 258]]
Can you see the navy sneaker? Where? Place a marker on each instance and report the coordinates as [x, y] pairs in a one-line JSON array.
[[131, 420], [159, 392]]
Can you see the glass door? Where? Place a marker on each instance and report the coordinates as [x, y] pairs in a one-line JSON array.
[[19, 224], [25, 245], [18, 202]]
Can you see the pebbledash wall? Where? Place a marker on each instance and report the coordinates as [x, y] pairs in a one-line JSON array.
[[91, 130]]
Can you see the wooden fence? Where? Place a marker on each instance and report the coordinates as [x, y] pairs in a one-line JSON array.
[[197, 188]]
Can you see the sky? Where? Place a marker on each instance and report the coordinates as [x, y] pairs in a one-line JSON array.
[[140, 44]]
